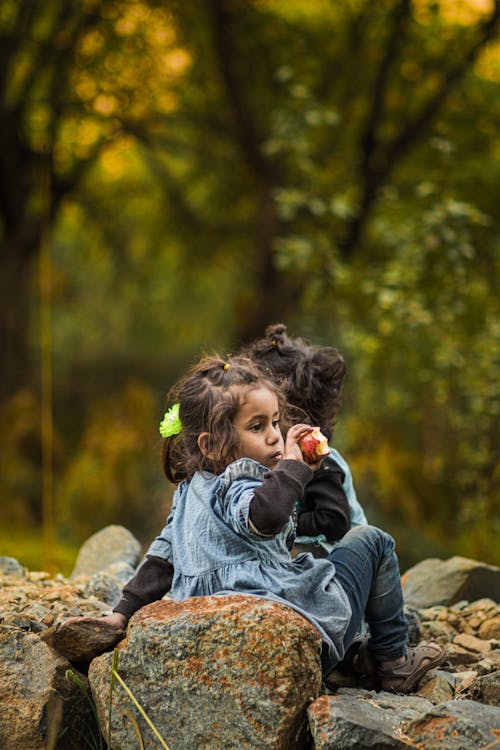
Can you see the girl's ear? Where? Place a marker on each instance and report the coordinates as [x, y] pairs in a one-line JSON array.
[[204, 443]]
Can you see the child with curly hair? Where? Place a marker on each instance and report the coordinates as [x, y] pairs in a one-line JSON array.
[[312, 378], [232, 524]]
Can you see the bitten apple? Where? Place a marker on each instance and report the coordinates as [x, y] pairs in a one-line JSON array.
[[314, 446]]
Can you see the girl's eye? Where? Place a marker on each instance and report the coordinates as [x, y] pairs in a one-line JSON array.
[[276, 423], [256, 427]]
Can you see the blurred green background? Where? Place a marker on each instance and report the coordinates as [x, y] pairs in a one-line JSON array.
[[177, 175]]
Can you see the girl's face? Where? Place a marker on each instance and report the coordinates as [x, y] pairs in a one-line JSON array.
[[257, 426]]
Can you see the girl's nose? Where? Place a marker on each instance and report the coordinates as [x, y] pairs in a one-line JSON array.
[[274, 435]]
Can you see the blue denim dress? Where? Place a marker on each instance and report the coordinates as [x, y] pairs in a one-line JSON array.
[[210, 543]]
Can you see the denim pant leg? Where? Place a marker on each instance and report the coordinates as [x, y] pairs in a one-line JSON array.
[[367, 569]]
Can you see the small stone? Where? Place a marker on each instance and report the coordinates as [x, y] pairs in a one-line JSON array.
[[83, 640], [458, 656], [9, 566], [475, 622], [490, 689], [485, 605], [434, 613], [38, 575], [471, 643], [465, 679], [490, 628], [103, 586], [437, 631], [438, 687], [491, 660]]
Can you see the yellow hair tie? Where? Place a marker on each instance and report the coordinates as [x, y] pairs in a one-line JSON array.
[[227, 366]]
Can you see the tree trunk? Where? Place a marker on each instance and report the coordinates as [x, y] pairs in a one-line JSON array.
[[272, 292], [16, 285]]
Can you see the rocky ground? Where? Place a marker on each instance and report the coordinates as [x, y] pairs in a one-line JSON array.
[[32, 603]]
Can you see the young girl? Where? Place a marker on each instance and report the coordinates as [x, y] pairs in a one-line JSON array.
[[312, 378], [232, 523]]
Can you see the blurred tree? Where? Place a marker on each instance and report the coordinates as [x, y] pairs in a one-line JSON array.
[[70, 76], [307, 152], [301, 155], [220, 164]]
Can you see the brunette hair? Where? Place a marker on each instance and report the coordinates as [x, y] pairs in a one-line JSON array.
[[311, 376], [209, 396]]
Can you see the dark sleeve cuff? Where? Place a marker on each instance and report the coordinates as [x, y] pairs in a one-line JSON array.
[[128, 605], [151, 582]]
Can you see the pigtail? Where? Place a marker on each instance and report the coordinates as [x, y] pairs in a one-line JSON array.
[[173, 459], [276, 335]]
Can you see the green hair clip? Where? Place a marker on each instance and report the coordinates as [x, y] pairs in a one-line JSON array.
[[171, 423]]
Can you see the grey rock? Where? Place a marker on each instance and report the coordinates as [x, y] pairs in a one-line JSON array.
[[456, 725], [104, 548], [489, 688], [9, 566], [103, 587], [82, 641], [456, 580], [121, 571], [437, 686], [220, 672], [379, 721], [39, 704], [360, 721]]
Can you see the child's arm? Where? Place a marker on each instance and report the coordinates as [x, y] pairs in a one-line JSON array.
[[151, 582], [274, 501], [325, 506]]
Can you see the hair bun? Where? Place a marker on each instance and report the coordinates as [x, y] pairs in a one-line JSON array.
[[276, 331]]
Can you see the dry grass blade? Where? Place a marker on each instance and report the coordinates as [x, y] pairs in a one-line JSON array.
[[141, 710]]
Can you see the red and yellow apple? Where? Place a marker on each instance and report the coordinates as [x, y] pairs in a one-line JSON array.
[[314, 446]]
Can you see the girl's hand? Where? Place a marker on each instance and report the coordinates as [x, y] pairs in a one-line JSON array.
[[115, 618], [292, 447]]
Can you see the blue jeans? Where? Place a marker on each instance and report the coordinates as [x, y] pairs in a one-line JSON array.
[[367, 569]]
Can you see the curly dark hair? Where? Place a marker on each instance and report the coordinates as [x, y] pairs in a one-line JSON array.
[[311, 376], [209, 396]]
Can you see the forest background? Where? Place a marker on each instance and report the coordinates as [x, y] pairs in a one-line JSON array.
[[177, 175]]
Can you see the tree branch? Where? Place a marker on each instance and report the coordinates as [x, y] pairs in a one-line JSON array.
[[375, 174], [369, 139], [414, 129], [246, 129]]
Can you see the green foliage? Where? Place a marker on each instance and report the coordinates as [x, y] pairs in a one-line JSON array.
[[112, 470], [427, 406], [220, 166]]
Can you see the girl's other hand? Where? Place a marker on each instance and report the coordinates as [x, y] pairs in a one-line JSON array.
[[115, 618]]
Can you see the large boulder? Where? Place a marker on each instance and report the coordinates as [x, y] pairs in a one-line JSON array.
[[433, 582], [40, 706], [113, 544], [218, 672]]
